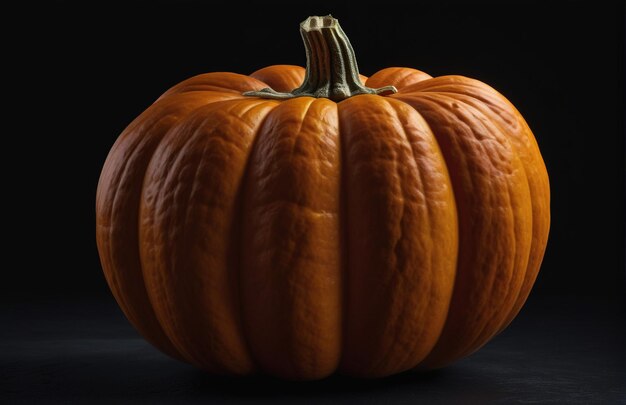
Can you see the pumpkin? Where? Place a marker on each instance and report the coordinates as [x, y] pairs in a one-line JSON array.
[[300, 222]]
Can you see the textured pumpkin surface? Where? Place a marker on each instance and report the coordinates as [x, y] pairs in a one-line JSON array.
[[303, 237]]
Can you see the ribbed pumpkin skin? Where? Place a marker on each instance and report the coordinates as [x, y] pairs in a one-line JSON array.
[[303, 237]]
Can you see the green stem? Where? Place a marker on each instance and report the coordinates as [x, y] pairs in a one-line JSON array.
[[331, 68]]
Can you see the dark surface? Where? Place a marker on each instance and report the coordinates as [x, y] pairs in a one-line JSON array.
[[557, 351]]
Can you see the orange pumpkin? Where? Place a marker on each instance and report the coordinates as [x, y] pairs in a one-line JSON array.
[[365, 228]]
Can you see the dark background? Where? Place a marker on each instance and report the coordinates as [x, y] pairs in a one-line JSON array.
[[84, 71]]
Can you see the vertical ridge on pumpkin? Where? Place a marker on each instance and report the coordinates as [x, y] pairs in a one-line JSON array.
[[442, 222], [401, 237], [290, 277], [530, 272], [493, 201], [117, 207], [493, 104], [503, 112], [186, 230]]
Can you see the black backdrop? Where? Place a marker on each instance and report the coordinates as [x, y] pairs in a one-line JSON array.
[[76, 74], [86, 71]]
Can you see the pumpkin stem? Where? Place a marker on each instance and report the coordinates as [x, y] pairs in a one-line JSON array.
[[331, 68]]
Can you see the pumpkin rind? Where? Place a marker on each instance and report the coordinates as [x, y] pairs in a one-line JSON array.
[[188, 223], [117, 207], [494, 209], [401, 232], [305, 236], [490, 106], [291, 271]]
